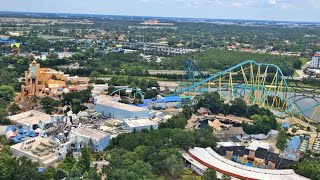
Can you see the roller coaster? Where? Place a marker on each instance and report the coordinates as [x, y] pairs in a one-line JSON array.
[[263, 84]]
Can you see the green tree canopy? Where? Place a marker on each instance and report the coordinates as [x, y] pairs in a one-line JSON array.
[[209, 174]]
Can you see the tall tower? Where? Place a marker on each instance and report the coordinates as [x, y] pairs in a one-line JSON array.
[[32, 78]]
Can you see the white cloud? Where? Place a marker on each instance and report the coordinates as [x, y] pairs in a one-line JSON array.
[[237, 4], [272, 2]]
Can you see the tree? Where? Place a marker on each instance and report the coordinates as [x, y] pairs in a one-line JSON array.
[[91, 175], [54, 77], [151, 93], [16, 168], [226, 177], [175, 165], [211, 101], [282, 140], [294, 130], [297, 64], [204, 138], [49, 173], [60, 174], [209, 174], [111, 89], [3, 115], [238, 107], [186, 111], [49, 104], [14, 109], [153, 83], [85, 159], [308, 128], [6, 93], [309, 168], [94, 74]]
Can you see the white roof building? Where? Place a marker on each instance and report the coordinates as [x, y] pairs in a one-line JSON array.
[[83, 135], [45, 151], [113, 109], [139, 124], [211, 159], [315, 62], [30, 118], [255, 144]]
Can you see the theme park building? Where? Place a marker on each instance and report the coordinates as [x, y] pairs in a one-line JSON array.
[[39, 79]]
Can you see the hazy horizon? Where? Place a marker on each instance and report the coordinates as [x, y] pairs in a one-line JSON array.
[[272, 10]]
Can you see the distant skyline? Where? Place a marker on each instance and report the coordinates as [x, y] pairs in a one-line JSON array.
[[277, 10]]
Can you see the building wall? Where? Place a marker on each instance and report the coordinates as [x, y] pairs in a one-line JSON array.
[[197, 170], [141, 127], [102, 144], [120, 113], [41, 161], [98, 146], [315, 63], [169, 104]]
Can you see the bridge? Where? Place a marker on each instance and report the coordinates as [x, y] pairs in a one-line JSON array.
[[134, 91], [263, 84]]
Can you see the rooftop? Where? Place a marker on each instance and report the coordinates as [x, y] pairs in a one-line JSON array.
[[139, 122], [255, 144], [213, 160], [107, 101], [164, 99], [293, 144], [285, 125], [234, 131], [30, 118], [90, 133], [41, 149], [260, 153]]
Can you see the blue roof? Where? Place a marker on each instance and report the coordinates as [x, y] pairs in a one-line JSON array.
[[294, 143], [285, 125], [142, 105], [41, 169], [147, 101], [10, 128], [164, 99]]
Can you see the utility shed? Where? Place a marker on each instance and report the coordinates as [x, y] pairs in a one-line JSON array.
[[30, 119], [113, 109], [83, 135], [140, 124], [234, 132]]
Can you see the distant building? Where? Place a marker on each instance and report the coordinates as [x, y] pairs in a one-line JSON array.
[[82, 136], [233, 132], [292, 147], [109, 107], [199, 159], [41, 57], [155, 22], [30, 120], [139, 124], [163, 102], [62, 55], [315, 63], [255, 144], [98, 88], [204, 111], [14, 34], [45, 151]]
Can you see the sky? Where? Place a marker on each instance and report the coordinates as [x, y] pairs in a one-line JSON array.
[[291, 10]]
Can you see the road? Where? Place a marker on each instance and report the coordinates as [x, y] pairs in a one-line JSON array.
[[300, 72]]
